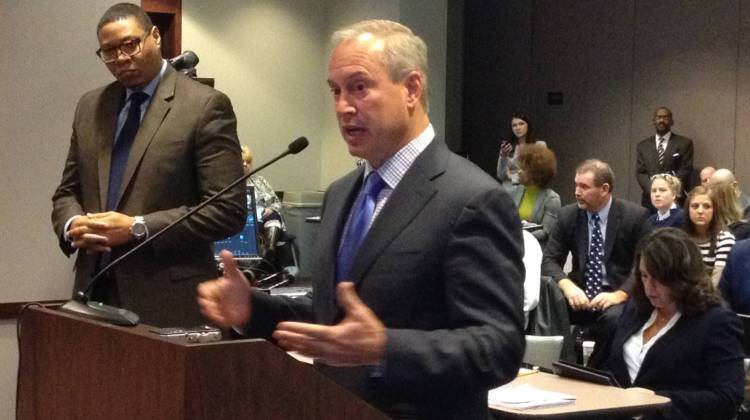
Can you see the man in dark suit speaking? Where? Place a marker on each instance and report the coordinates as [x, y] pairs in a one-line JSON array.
[[144, 149], [418, 291], [664, 152]]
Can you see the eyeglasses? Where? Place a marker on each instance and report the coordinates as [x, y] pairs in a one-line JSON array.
[[130, 48]]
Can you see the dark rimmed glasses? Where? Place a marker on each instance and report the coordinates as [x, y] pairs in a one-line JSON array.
[[129, 47]]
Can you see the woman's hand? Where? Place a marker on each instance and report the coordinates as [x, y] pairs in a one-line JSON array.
[[506, 149]]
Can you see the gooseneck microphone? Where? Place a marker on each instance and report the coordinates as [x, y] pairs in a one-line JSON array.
[[82, 305], [186, 60]]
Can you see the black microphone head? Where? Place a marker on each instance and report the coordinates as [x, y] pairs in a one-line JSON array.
[[80, 296], [191, 58], [186, 60], [298, 145]]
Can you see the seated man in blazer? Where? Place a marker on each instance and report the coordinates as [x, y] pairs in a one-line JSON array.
[[602, 233], [418, 287], [663, 153]]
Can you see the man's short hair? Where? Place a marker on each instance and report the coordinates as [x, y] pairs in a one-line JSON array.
[[403, 51], [669, 111], [121, 11], [602, 172]]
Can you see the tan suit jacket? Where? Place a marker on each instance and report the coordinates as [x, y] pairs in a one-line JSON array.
[[185, 150]]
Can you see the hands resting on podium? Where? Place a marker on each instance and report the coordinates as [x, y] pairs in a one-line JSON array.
[[359, 339]]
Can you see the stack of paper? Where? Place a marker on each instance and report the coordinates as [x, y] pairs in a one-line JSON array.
[[522, 397]]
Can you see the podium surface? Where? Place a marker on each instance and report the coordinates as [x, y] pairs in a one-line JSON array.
[[75, 368]]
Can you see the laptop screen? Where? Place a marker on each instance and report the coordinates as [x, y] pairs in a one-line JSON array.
[[245, 243]]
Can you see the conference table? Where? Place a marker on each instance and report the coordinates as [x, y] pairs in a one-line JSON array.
[[592, 400]]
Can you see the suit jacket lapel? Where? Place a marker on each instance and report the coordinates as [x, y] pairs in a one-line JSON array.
[[662, 344], [613, 221], [582, 238], [155, 114], [338, 204], [537, 213], [410, 196], [111, 102]]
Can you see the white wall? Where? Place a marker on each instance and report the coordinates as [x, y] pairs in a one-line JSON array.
[[46, 62], [268, 57]]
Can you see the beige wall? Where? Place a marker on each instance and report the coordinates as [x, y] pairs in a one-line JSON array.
[[46, 62], [268, 56]]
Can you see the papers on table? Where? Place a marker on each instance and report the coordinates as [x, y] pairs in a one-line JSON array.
[[522, 397]]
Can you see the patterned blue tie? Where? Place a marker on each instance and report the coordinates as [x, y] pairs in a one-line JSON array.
[[359, 224], [122, 147], [593, 270]]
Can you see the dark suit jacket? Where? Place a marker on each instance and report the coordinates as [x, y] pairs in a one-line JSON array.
[[678, 160], [626, 225], [186, 149], [698, 364], [441, 267], [735, 279]]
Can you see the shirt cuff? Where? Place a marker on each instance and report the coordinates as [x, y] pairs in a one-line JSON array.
[[67, 227]]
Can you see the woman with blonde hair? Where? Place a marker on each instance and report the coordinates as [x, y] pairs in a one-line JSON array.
[[728, 209], [665, 189]]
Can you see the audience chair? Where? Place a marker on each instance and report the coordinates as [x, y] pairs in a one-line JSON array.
[[543, 350]]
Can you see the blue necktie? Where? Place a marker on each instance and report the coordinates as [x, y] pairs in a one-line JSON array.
[[593, 270], [122, 147], [359, 224]]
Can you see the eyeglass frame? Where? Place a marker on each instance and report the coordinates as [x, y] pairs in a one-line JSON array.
[[119, 50]]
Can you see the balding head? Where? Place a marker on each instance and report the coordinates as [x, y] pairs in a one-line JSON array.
[[706, 174], [724, 176]]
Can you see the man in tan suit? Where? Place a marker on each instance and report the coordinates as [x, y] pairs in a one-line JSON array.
[[144, 150]]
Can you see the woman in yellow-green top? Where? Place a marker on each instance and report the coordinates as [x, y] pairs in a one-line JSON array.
[[536, 202]]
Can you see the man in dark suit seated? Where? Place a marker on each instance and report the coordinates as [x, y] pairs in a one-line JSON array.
[[601, 232], [418, 288], [664, 152]]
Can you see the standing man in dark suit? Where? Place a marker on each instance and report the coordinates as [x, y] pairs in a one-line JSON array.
[[423, 314], [601, 232], [665, 152], [145, 149]]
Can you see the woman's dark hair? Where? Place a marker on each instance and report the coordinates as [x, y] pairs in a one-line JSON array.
[[530, 137], [539, 162], [714, 227], [674, 260]]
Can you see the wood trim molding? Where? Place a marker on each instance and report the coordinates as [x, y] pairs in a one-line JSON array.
[[10, 310]]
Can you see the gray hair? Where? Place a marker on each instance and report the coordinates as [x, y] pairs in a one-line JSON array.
[[403, 51]]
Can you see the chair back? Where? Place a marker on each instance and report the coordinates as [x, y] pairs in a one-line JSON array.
[[543, 350]]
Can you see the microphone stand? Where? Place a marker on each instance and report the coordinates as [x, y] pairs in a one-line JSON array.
[[82, 305]]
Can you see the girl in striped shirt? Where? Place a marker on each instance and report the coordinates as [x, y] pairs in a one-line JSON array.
[[709, 232]]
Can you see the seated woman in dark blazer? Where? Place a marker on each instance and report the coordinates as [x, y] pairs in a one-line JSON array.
[[536, 202], [674, 336]]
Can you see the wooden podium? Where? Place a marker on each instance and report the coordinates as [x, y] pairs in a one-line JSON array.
[[75, 368]]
